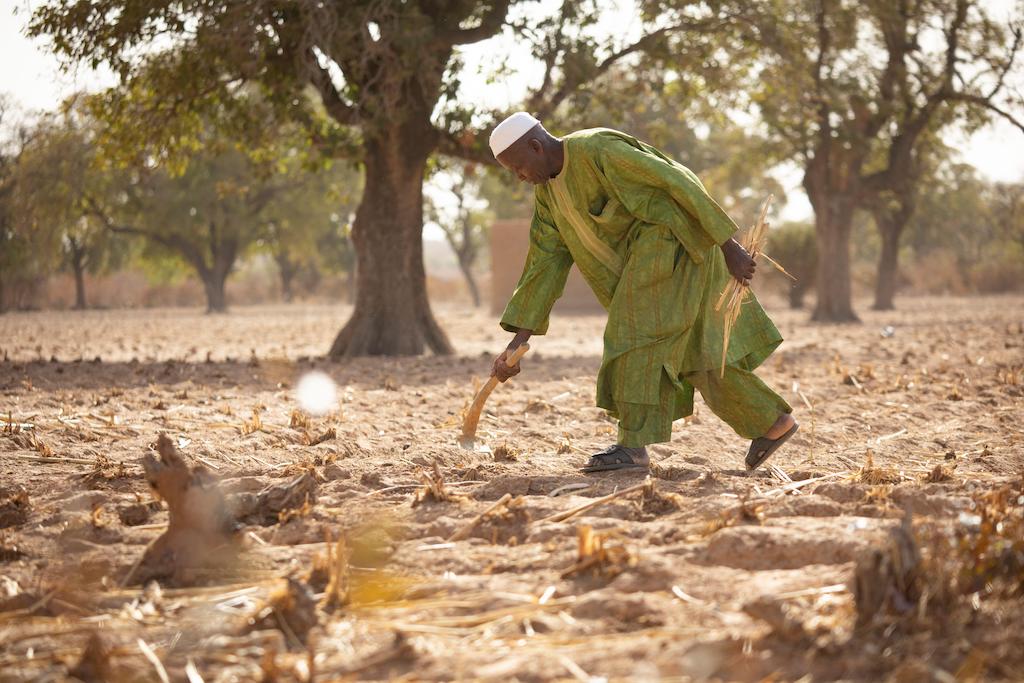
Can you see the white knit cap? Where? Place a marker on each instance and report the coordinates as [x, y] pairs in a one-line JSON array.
[[511, 129]]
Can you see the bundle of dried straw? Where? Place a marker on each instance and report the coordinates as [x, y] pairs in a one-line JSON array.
[[735, 292]]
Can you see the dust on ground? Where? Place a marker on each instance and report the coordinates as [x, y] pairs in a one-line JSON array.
[[342, 564]]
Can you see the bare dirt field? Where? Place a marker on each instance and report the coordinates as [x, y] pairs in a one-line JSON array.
[[367, 545]]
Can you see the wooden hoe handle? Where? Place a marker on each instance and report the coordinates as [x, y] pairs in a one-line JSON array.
[[473, 414]]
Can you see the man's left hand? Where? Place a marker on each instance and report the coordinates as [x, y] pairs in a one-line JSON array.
[[741, 266]]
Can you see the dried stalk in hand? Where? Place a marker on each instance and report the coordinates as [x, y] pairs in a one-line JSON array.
[[735, 292]]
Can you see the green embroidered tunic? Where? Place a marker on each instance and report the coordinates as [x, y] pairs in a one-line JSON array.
[[645, 235]]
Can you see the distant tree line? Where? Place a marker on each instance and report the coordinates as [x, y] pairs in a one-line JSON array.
[[73, 200]]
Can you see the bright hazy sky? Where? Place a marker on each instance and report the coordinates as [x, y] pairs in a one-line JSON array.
[[33, 80]]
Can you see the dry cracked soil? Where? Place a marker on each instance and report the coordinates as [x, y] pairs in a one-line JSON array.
[[365, 544]]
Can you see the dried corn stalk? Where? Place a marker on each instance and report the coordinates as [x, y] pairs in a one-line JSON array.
[[735, 292], [433, 488], [595, 555]]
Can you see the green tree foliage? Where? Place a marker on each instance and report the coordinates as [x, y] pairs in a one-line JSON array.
[[306, 228], [53, 179], [839, 83], [22, 265], [216, 205], [970, 235]]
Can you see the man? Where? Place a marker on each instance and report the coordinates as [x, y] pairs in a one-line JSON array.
[[657, 251]]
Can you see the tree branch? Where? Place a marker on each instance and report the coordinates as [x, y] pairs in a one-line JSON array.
[[987, 104], [490, 24], [468, 146], [189, 251], [545, 107], [340, 110]]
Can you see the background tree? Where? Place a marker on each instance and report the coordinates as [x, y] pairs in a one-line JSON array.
[[894, 205], [1008, 211], [306, 225], [839, 83], [464, 220], [207, 208], [966, 237], [54, 175], [8, 237], [793, 245], [24, 263]]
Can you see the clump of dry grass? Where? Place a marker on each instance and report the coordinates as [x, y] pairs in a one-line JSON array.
[[506, 453], [327, 435], [290, 608], [939, 581], [252, 425], [655, 502], [506, 524], [330, 573], [40, 447], [298, 420], [869, 474], [433, 488], [95, 664], [105, 470], [281, 502], [747, 511], [993, 556], [9, 550], [889, 579], [9, 426], [880, 494], [596, 556], [938, 474], [735, 292], [15, 506], [304, 510], [1010, 376]]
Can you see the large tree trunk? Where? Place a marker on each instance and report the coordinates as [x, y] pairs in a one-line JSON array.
[[287, 269], [891, 217], [223, 249], [834, 281], [833, 225], [467, 273], [213, 285], [796, 297], [888, 265], [392, 315], [80, 304], [76, 256]]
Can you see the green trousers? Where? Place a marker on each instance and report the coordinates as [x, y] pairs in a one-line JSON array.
[[740, 399]]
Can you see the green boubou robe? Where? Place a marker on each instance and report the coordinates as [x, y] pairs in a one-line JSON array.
[[645, 235]]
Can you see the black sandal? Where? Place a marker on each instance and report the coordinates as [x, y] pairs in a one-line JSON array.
[[614, 458], [761, 448]]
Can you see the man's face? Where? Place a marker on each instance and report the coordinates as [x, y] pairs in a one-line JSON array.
[[527, 159]]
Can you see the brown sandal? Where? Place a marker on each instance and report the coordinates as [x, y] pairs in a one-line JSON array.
[[762, 448], [615, 458]]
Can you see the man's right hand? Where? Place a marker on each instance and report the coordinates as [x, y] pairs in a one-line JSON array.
[[738, 261], [502, 370]]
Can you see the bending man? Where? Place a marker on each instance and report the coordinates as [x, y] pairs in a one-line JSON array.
[[657, 250]]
